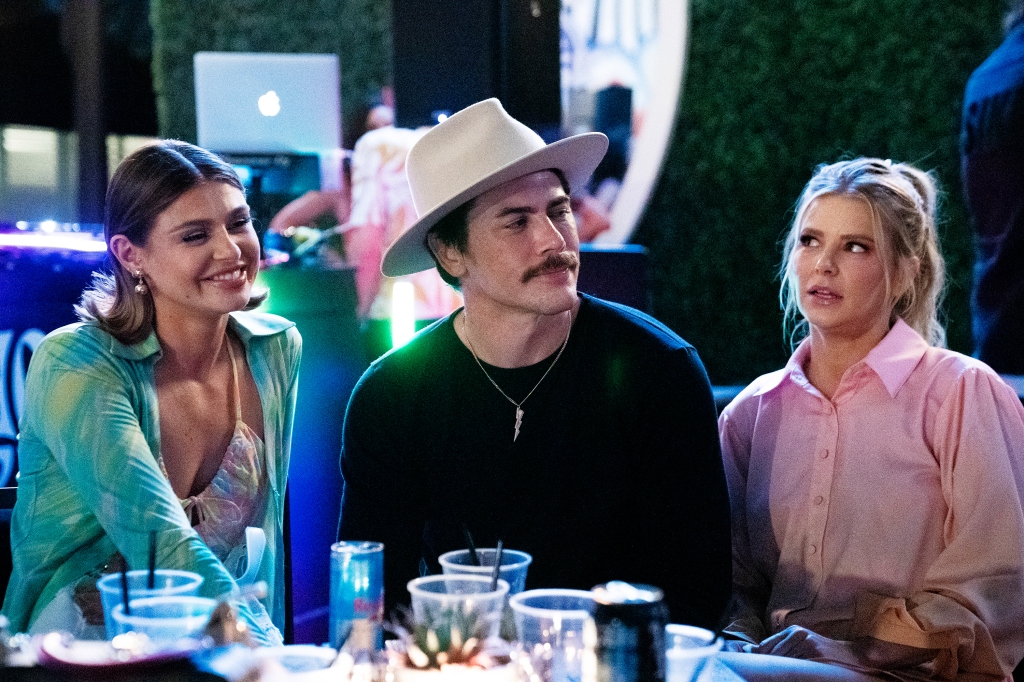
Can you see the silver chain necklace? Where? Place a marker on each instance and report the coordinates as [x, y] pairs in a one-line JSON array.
[[519, 405]]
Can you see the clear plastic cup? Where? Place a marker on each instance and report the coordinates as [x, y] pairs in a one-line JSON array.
[[513, 566], [438, 600], [167, 582], [688, 650], [550, 627], [164, 619]]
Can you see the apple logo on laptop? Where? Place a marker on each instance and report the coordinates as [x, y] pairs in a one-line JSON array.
[[269, 104]]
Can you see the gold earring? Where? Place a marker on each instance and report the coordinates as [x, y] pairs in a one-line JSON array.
[[140, 284]]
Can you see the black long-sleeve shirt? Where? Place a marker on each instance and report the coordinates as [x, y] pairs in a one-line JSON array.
[[616, 473]]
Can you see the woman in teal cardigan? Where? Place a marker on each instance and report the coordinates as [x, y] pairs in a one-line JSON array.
[[168, 408]]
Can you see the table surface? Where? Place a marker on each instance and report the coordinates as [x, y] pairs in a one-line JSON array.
[[716, 671]]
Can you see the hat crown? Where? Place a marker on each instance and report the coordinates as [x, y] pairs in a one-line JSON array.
[[467, 147], [477, 149]]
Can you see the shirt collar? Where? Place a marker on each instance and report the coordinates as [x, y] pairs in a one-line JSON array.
[[246, 325], [893, 359], [896, 356]]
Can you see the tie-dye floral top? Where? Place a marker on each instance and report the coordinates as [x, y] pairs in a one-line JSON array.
[[222, 510], [90, 483]]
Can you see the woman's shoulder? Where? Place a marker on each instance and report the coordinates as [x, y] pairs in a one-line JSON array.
[[751, 394], [82, 355], [941, 365], [82, 340], [945, 371], [759, 400]]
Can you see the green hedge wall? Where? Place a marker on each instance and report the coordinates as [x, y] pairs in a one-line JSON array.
[[772, 89], [359, 31]]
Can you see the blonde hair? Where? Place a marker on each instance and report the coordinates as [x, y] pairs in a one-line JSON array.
[[902, 199], [143, 186]]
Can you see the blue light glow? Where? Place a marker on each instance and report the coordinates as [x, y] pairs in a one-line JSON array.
[[63, 241]]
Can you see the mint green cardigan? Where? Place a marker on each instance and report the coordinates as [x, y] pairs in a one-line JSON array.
[[89, 483]]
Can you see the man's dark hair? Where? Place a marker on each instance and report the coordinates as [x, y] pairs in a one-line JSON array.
[[453, 230]]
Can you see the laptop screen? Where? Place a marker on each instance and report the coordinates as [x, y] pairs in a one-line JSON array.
[[257, 102]]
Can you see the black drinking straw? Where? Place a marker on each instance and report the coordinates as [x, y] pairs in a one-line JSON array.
[[474, 559], [151, 580], [124, 586], [497, 567]]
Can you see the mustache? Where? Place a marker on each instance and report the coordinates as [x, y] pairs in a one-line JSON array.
[[553, 263]]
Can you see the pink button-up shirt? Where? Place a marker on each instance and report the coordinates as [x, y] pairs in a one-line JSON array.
[[893, 510]]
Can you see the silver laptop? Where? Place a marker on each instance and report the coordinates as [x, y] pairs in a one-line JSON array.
[[257, 102]]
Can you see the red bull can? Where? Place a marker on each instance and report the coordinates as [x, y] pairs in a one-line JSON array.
[[357, 589]]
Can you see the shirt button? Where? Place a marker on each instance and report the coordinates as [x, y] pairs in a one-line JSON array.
[[824, 454], [819, 499], [814, 549]]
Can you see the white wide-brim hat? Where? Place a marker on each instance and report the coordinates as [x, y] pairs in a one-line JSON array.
[[475, 150]]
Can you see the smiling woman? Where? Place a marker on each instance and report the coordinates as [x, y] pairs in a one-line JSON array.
[[200, 258], [144, 186], [168, 409]]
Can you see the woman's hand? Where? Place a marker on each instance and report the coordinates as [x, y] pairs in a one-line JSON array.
[[798, 642], [736, 645]]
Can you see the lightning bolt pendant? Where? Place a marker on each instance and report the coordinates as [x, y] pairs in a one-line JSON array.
[[519, 421]]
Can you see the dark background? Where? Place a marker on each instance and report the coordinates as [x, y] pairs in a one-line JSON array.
[[771, 89], [36, 69]]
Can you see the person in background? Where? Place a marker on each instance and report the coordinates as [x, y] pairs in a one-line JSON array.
[[877, 480], [579, 431], [169, 408], [373, 208], [992, 166], [382, 210]]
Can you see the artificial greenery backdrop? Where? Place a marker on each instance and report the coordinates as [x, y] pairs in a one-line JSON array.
[[772, 89]]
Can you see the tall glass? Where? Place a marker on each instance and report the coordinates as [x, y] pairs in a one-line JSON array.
[[357, 588]]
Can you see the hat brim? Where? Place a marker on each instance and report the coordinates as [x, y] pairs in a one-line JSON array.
[[576, 157]]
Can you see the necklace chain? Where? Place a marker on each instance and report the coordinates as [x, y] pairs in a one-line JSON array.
[[519, 405]]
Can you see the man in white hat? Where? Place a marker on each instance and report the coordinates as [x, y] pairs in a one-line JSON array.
[[580, 431]]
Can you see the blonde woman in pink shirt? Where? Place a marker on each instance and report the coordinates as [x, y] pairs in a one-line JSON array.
[[876, 480]]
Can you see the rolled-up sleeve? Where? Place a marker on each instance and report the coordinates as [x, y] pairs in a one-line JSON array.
[[971, 602]]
